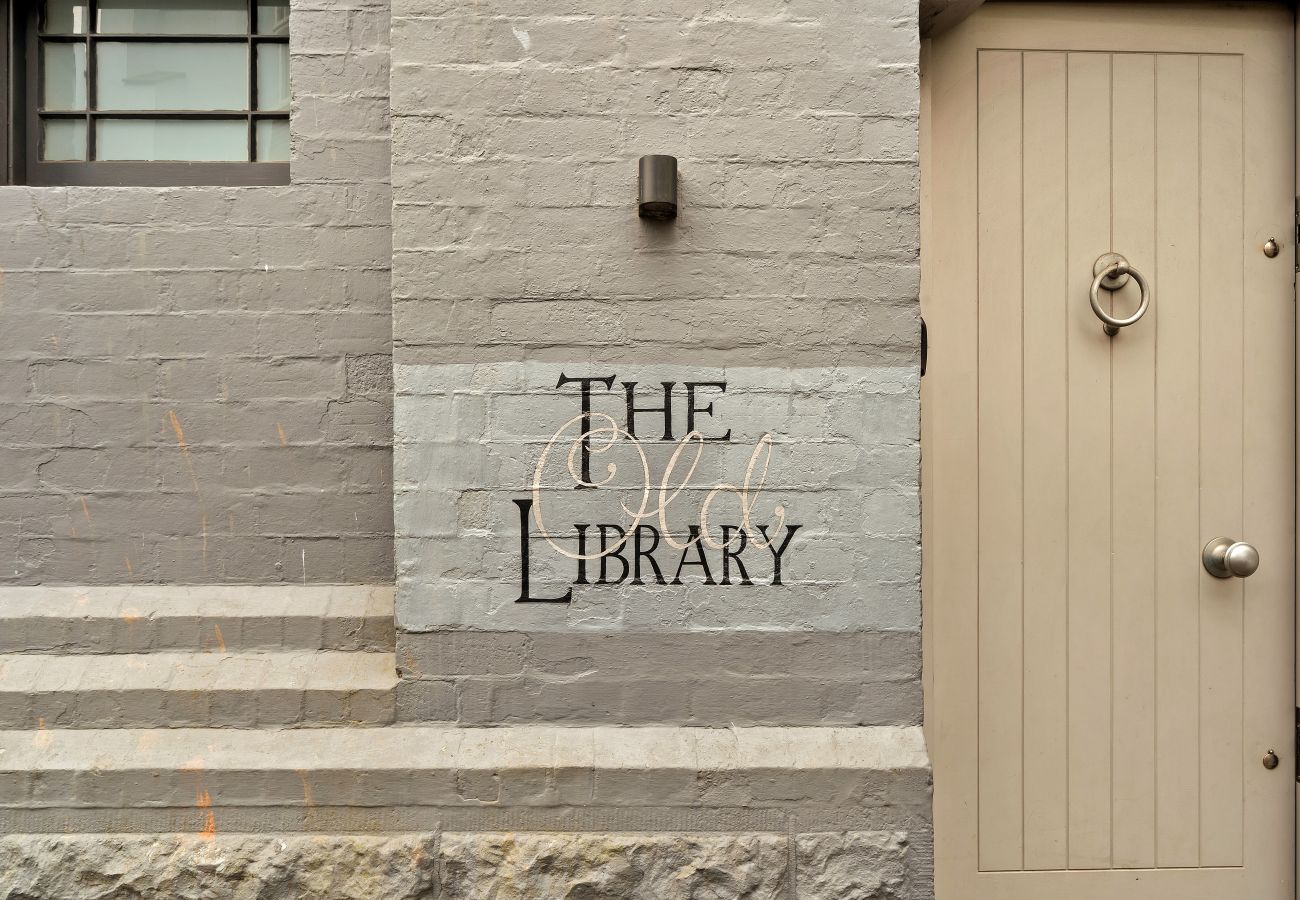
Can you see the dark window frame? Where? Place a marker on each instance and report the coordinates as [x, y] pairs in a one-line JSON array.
[[11, 126], [23, 115]]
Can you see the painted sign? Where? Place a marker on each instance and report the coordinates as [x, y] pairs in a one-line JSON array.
[[640, 541]]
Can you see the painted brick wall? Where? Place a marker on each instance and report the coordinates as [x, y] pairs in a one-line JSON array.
[[791, 272], [195, 382]]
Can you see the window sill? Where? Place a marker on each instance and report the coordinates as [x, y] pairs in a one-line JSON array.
[[157, 174]]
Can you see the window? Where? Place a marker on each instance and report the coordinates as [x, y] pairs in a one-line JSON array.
[[156, 92]]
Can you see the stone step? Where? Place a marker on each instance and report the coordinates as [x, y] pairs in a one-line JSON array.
[[606, 813], [418, 777], [166, 689], [138, 619]]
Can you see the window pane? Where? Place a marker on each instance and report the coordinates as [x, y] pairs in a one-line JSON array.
[[172, 139], [172, 76], [65, 75], [272, 140], [272, 76], [173, 16], [65, 17], [64, 139], [272, 16]]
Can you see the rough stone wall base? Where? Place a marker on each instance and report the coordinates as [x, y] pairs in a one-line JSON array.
[[465, 866]]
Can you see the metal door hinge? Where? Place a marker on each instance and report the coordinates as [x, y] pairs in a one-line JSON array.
[[925, 344]]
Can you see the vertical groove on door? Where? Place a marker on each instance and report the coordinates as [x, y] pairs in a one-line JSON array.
[[1045, 447], [1089, 694], [1177, 504], [1000, 464], [1222, 458], [1133, 179]]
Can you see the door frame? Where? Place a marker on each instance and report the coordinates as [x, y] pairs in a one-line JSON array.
[[1290, 244]]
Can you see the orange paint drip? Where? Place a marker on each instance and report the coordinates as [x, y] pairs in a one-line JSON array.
[[180, 432], [221, 641], [307, 798], [130, 569], [284, 441], [194, 478], [42, 738], [185, 448], [85, 510], [209, 831]]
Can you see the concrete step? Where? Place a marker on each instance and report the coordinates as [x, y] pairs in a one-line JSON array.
[[138, 619], [421, 777], [167, 689]]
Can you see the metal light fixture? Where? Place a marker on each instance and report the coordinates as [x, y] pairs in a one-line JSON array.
[[657, 187]]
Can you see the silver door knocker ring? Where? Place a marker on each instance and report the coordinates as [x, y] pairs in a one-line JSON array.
[[1112, 272]]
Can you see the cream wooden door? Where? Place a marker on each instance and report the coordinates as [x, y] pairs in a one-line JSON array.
[[1099, 706]]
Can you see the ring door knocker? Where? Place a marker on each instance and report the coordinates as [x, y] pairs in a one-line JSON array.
[[1112, 272]]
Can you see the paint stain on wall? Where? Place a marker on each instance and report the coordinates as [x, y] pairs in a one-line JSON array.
[[204, 802]]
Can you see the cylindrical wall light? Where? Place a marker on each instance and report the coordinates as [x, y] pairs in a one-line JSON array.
[[657, 187]]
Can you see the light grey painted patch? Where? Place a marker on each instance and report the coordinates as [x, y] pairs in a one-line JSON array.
[[473, 439]]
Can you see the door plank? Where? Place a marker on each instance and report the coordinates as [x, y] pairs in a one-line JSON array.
[[950, 400], [1001, 628], [1221, 457], [1177, 311], [1133, 178], [1045, 446], [1089, 700], [1269, 454]]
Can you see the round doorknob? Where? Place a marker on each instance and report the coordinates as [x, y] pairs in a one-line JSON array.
[[1226, 558]]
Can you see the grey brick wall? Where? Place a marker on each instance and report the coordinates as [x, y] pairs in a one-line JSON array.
[[516, 132], [195, 382], [791, 272]]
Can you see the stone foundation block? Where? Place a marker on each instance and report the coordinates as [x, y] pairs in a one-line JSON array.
[[469, 865], [665, 866], [854, 865], [231, 867]]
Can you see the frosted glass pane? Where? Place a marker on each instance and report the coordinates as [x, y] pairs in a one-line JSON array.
[[272, 140], [272, 17], [65, 17], [173, 16], [172, 76], [65, 75], [273, 76], [64, 139], [172, 139]]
